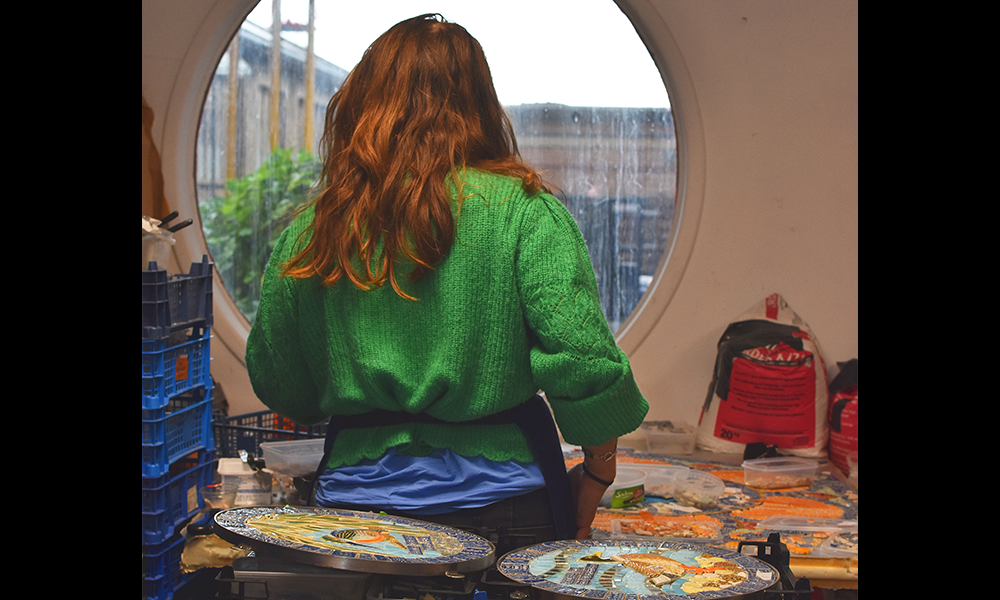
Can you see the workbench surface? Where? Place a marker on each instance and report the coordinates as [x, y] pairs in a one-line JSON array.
[[828, 558]]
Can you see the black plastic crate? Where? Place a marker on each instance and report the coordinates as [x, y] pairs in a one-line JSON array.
[[247, 431], [174, 302]]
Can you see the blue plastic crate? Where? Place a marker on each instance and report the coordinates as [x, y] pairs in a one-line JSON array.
[[161, 569], [174, 302], [170, 500], [181, 427], [169, 369]]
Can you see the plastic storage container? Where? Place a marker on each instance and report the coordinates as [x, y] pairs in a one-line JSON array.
[[156, 245], [694, 531], [780, 472], [793, 523], [253, 488], [295, 458], [660, 479], [628, 488], [669, 437], [219, 495], [841, 545], [698, 489]]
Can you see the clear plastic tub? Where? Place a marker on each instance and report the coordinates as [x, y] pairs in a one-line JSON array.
[[628, 488], [156, 245], [660, 479], [669, 437], [780, 472], [695, 531], [252, 489], [698, 489], [295, 458], [793, 523], [841, 545], [219, 495]]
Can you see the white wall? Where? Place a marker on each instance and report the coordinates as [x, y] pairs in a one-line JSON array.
[[777, 87], [766, 95]]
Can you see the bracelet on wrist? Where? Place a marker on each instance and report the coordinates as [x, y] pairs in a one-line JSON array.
[[590, 474], [605, 457]]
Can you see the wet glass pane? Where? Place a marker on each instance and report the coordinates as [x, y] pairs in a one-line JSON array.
[[588, 106]]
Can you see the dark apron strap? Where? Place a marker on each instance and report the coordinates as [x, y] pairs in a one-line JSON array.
[[536, 424], [535, 421]]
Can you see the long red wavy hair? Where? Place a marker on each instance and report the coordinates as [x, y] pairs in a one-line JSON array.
[[417, 110]]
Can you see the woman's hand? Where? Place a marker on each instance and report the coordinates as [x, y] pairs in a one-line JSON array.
[[586, 496], [586, 490]]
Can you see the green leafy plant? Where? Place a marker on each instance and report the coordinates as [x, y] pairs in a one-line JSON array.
[[242, 227]]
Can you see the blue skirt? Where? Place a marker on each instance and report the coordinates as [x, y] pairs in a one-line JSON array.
[[426, 485]]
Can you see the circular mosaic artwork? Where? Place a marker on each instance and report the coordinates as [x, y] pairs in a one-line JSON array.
[[651, 569], [354, 541]]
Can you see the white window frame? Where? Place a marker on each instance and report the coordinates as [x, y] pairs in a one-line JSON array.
[[180, 123]]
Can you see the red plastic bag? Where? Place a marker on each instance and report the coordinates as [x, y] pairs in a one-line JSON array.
[[843, 415], [769, 386]]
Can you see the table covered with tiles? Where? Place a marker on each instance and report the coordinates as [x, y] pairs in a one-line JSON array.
[[818, 522]]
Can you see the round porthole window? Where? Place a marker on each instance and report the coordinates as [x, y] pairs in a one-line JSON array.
[[589, 108]]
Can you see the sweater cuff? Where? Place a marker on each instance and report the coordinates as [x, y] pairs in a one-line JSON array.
[[614, 412]]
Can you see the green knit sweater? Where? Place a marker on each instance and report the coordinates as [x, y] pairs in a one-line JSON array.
[[512, 310]]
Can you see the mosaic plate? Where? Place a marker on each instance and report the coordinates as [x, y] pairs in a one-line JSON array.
[[354, 541], [636, 569]]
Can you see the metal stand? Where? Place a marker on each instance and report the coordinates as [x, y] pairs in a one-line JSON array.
[[775, 553]]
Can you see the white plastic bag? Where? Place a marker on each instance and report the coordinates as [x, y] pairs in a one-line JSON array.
[[769, 386]]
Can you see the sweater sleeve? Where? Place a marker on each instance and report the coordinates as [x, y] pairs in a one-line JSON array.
[[574, 359], [275, 356]]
